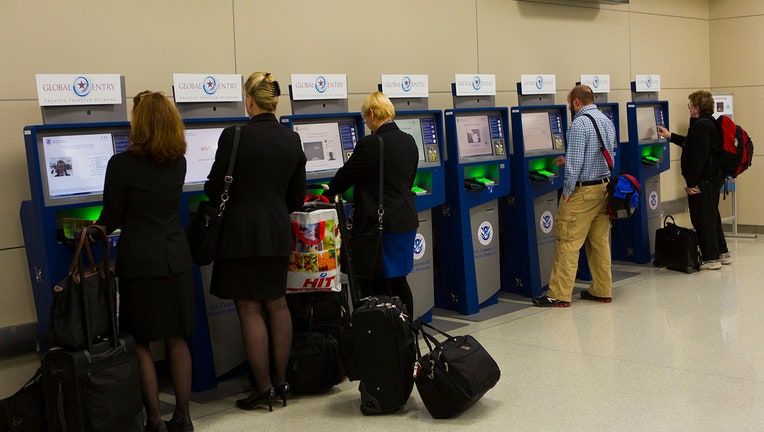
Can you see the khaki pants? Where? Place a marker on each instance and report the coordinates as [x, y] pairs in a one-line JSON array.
[[582, 220]]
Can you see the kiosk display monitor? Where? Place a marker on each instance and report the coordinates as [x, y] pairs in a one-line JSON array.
[[327, 143], [480, 137], [648, 119], [425, 134], [73, 165], [201, 145], [542, 132]]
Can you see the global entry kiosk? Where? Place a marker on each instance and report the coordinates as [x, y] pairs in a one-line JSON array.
[[486, 188]]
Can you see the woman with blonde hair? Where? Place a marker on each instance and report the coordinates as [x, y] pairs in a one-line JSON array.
[[400, 217], [255, 239], [142, 196]]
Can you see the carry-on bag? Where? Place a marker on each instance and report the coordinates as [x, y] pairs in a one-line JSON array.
[[24, 411], [82, 296], [677, 247], [314, 363], [97, 388], [384, 353], [321, 314], [454, 374]]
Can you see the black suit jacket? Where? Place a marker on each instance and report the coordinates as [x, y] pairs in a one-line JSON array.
[[362, 171], [268, 184], [143, 200]]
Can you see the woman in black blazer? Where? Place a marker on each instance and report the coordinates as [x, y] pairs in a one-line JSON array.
[[255, 242], [142, 195], [400, 218]]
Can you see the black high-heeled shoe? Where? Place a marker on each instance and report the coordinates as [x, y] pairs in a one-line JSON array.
[[283, 392], [177, 425], [252, 401]]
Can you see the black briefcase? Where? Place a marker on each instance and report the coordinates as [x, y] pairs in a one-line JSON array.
[[677, 247]]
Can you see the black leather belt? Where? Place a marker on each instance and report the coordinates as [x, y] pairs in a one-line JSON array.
[[605, 180]]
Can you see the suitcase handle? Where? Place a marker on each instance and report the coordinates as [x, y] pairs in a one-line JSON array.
[[665, 220]]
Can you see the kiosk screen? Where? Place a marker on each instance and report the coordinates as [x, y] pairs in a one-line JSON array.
[[201, 145], [74, 165], [542, 132], [479, 137], [413, 127], [425, 135], [326, 143], [648, 117]]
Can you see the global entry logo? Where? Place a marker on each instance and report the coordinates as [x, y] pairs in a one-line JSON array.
[[406, 84], [653, 200], [648, 81], [539, 82], [476, 83], [81, 86], [210, 85], [419, 246], [596, 81], [485, 233], [320, 84]]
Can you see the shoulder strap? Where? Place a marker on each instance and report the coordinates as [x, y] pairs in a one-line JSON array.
[[381, 209], [229, 175], [603, 149]]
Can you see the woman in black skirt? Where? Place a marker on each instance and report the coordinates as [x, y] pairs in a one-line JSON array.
[[255, 239], [142, 195]]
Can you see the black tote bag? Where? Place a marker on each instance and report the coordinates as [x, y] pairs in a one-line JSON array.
[[80, 309]]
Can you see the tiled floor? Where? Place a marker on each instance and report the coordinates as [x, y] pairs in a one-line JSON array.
[[672, 352]]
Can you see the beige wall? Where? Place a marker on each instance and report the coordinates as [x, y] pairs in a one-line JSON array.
[[148, 41], [736, 29]]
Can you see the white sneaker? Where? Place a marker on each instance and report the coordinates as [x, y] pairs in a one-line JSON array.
[[725, 258], [711, 265]]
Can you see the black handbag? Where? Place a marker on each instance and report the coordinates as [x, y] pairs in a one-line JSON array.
[[366, 246], [677, 248], [24, 411], [454, 374], [203, 230], [80, 310]]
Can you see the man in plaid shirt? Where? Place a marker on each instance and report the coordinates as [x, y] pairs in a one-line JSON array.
[[582, 212]]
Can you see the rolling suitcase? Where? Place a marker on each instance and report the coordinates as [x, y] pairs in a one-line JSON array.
[[677, 248], [384, 353], [380, 344], [97, 388]]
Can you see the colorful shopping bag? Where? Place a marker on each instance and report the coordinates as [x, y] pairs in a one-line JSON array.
[[314, 264]]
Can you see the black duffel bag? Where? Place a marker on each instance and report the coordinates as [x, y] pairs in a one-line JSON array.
[[24, 411], [454, 374], [314, 363]]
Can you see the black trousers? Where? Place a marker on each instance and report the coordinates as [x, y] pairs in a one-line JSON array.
[[705, 217]]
